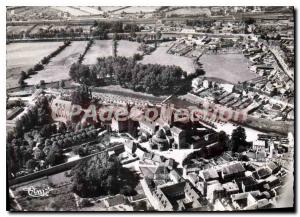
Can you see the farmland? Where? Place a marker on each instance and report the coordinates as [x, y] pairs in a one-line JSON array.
[[138, 9], [232, 68], [59, 66], [189, 11], [72, 10], [16, 29], [103, 48], [22, 56], [160, 56]]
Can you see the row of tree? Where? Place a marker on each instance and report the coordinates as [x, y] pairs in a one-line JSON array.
[[81, 56], [40, 66]]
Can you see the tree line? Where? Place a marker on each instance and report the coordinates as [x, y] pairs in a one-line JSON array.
[[40, 66]]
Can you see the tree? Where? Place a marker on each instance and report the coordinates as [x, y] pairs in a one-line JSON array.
[[96, 176], [223, 139], [62, 128], [137, 57], [30, 165], [127, 190], [238, 139], [55, 155]]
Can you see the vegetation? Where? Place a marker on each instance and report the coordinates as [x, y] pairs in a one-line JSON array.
[[150, 78], [238, 140], [96, 176]]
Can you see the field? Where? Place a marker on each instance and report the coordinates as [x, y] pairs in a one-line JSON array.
[[160, 56], [38, 27], [22, 56], [232, 68], [137, 9], [103, 48], [59, 66], [91, 10], [71, 10], [189, 11], [16, 29], [110, 8]]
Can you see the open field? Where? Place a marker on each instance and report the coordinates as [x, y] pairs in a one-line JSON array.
[[91, 10], [229, 67], [22, 56], [137, 9], [110, 8], [189, 11], [100, 48], [16, 29], [71, 10], [160, 56], [103, 48], [38, 27], [59, 66]]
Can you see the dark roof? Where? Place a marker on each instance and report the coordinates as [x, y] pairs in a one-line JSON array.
[[263, 172], [233, 168], [247, 180]]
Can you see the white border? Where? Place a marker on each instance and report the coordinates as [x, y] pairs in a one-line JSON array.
[[116, 3]]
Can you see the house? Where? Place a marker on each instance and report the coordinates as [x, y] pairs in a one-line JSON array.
[[247, 183], [215, 191], [161, 173], [147, 128], [160, 141], [175, 176], [230, 188], [273, 181], [259, 145], [177, 197], [119, 125], [262, 172], [273, 167], [209, 175], [232, 171], [179, 136], [243, 201]]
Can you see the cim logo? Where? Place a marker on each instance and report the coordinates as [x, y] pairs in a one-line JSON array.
[[38, 191]]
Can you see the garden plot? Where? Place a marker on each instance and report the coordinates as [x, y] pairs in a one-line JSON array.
[[59, 66], [22, 56]]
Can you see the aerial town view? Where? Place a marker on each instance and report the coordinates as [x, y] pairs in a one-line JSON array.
[[139, 108]]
